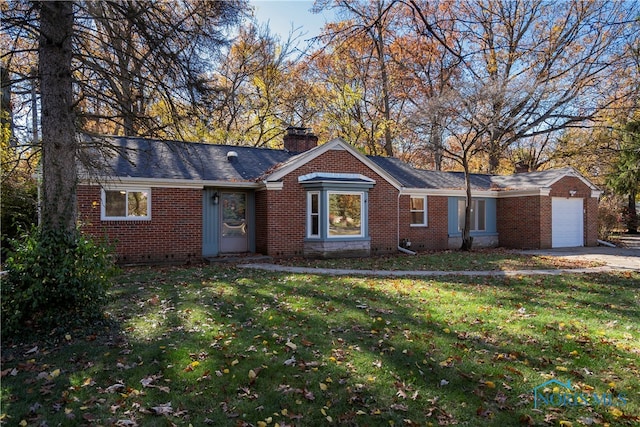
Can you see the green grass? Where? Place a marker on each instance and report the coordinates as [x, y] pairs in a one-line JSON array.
[[226, 347], [488, 260]]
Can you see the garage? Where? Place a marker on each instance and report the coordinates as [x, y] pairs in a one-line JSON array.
[[567, 225]]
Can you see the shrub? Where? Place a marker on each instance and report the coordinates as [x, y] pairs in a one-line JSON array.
[[55, 281], [609, 216]]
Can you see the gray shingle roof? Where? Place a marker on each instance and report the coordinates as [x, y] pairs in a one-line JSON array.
[[538, 179], [411, 177], [170, 160], [156, 159]]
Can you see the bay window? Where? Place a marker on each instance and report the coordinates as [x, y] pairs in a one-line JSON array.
[[336, 206], [313, 219], [345, 214]]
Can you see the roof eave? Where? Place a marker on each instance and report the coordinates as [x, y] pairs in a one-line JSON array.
[[164, 182]]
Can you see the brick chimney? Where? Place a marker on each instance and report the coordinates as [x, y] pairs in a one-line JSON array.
[[299, 139], [522, 167]]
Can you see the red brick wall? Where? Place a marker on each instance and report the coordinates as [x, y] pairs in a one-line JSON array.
[[262, 231], [432, 237], [519, 223], [545, 222], [591, 221], [283, 212], [174, 233]]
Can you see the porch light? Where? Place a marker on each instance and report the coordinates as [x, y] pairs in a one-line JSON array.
[[572, 193], [215, 198]]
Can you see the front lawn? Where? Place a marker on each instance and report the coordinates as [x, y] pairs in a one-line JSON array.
[[232, 347]]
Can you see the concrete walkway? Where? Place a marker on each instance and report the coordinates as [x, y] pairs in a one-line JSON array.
[[419, 273], [615, 259]]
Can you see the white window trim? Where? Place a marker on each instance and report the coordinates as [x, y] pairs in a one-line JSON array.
[[425, 216], [328, 220], [103, 205], [310, 214]]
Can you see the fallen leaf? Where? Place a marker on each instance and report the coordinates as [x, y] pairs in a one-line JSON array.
[[616, 412], [163, 409], [113, 388], [126, 423]]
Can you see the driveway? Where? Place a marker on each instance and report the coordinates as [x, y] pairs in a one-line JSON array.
[[616, 258]]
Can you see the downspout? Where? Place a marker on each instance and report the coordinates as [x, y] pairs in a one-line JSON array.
[[400, 248]]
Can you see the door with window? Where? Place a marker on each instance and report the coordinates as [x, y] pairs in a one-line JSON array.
[[233, 224]]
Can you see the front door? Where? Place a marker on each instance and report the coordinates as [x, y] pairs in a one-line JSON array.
[[233, 232]]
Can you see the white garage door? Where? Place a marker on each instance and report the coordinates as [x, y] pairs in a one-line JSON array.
[[566, 223]]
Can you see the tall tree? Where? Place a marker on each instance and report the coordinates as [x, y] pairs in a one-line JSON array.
[[466, 140], [430, 53], [59, 143], [625, 177], [364, 71], [139, 66], [143, 63], [122, 58], [546, 64], [250, 98]]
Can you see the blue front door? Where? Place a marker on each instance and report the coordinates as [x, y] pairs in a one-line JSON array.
[[233, 222]]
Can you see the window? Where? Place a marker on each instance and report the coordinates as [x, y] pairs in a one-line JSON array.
[[336, 208], [313, 207], [345, 214], [478, 215], [418, 210], [126, 204]]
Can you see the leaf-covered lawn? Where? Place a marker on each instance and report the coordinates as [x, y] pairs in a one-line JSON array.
[[229, 347]]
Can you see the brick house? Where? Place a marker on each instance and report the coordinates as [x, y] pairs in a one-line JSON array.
[[167, 201]]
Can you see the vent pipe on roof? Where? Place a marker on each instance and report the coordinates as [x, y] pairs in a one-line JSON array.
[[231, 156]]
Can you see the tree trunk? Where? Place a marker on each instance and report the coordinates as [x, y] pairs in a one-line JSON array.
[[494, 160], [386, 95], [59, 144], [632, 215], [6, 115], [436, 143], [467, 240]]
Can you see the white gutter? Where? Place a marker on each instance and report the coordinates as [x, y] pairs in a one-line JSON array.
[[170, 183]]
